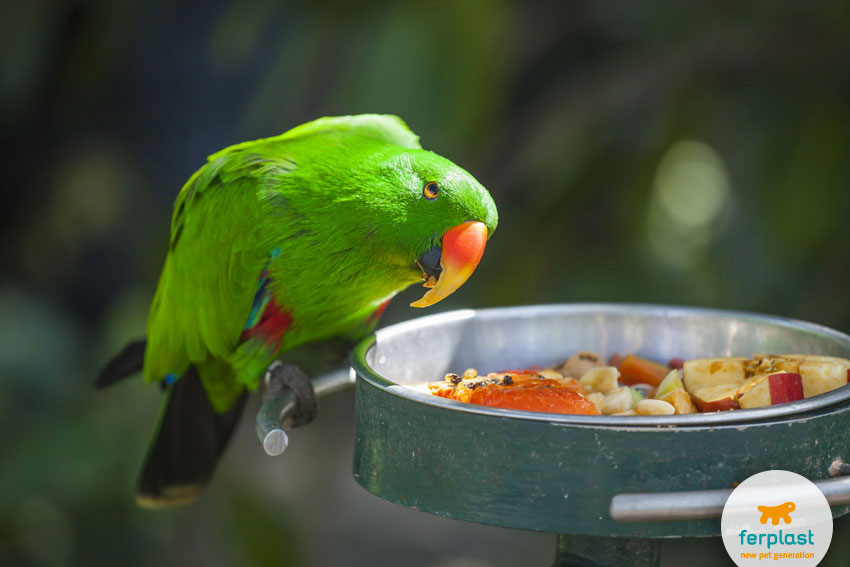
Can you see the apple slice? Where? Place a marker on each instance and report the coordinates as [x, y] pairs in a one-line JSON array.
[[811, 357], [681, 400], [699, 373], [672, 381], [771, 389], [822, 373], [720, 397], [771, 364]]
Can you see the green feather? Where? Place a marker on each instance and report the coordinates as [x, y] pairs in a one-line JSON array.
[[341, 200]]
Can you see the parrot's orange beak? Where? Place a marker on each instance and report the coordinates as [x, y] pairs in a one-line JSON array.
[[460, 253]]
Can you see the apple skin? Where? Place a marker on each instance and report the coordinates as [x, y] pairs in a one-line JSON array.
[[785, 387], [722, 397], [772, 389]]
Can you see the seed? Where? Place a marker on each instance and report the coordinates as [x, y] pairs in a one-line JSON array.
[[654, 407]]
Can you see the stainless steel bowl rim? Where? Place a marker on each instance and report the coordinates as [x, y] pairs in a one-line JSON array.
[[720, 418]]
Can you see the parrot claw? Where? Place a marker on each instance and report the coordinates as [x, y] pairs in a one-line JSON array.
[[280, 377], [289, 400]]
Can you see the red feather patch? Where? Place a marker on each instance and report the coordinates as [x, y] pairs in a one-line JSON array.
[[376, 314], [272, 325]]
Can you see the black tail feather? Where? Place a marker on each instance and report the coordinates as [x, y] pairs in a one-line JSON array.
[[189, 442], [124, 364]]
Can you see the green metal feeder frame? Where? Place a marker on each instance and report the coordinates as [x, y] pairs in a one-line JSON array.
[[609, 486]]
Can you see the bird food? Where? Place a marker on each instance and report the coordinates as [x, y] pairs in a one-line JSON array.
[[632, 385]]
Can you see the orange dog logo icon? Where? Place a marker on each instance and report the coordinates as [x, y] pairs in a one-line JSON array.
[[775, 513]]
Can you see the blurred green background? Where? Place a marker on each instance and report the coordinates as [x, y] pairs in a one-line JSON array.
[[694, 153]]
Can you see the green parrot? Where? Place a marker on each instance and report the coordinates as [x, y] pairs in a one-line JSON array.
[[278, 242]]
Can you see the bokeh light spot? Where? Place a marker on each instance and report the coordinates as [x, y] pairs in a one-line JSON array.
[[690, 191]]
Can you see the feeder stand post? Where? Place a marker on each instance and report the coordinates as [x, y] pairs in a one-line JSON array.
[[600, 551]]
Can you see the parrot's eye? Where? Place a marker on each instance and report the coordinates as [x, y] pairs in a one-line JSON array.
[[431, 190]]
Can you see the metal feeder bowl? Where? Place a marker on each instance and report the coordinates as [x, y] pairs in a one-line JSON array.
[[608, 486]]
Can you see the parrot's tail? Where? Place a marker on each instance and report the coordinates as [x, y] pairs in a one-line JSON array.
[[124, 364], [190, 438]]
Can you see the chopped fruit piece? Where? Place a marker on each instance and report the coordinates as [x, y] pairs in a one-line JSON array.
[[551, 374], [701, 373], [705, 385], [636, 395], [672, 381], [579, 363], [598, 399], [676, 362], [654, 407], [823, 373], [635, 369], [771, 364], [534, 398], [809, 357], [600, 379], [721, 397], [645, 390], [617, 400], [522, 390], [771, 389], [681, 400]]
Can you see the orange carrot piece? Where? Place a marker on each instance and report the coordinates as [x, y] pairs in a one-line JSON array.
[[635, 370]]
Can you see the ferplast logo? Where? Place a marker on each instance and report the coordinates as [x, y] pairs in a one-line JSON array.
[[778, 517], [777, 513]]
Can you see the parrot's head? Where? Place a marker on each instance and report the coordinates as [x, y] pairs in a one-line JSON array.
[[441, 220]]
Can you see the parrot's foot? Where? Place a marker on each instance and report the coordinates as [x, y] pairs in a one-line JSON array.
[[280, 377]]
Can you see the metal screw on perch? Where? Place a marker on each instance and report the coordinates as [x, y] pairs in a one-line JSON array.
[[289, 401]]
